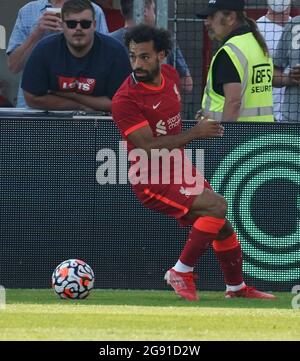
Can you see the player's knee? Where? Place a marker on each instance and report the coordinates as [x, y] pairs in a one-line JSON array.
[[220, 208]]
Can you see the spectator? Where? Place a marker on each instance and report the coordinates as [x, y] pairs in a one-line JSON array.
[[77, 69], [4, 102], [186, 81], [113, 16], [239, 84], [271, 26], [33, 23], [287, 56]]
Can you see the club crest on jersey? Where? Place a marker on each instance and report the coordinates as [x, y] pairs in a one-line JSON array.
[[161, 128], [78, 85], [177, 92]]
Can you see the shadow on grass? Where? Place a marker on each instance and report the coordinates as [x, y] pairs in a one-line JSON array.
[[146, 298]]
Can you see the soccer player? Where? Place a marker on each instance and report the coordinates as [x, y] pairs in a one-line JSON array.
[[175, 56], [146, 110]]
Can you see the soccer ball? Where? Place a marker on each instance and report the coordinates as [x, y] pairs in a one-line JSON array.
[[73, 279]]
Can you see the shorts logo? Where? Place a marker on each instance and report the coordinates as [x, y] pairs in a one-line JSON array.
[[78, 85], [161, 128]]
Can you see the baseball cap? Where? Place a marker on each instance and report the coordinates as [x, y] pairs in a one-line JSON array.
[[215, 5]]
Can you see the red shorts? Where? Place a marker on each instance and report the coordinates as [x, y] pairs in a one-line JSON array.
[[172, 200]]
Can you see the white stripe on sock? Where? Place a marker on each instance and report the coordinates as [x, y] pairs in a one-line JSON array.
[[235, 288], [180, 267]]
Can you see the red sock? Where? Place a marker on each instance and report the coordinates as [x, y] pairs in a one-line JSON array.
[[203, 232], [229, 254]]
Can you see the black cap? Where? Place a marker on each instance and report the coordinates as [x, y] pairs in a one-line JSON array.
[[215, 5]]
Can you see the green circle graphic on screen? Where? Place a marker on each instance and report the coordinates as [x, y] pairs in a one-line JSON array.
[[261, 181]]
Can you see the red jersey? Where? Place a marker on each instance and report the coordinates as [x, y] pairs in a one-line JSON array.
[[136, 105]]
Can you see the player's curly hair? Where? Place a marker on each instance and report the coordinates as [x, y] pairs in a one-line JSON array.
[[144, 33]]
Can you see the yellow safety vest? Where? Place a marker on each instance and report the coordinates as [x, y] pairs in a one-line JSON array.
[[256, 72]]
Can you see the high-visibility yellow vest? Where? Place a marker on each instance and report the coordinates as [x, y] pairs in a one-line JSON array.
[[256, 72]]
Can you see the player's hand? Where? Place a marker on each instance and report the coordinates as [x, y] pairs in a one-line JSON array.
[[208, 128], [49, 22]]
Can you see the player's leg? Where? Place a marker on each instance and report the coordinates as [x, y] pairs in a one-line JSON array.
[[208, 212], [229, 254]]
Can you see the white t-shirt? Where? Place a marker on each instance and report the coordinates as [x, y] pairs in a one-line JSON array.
[[272, 33]]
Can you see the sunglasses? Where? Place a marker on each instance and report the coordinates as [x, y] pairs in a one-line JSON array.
[[72, 24]]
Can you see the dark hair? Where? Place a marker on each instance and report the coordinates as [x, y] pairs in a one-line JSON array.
[[127, 8], [243, 19], [76, 6], [144, 33]]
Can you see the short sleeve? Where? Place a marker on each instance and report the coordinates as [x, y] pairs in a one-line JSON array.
[[101, 25], [221, 77], [127, 115], [35, 75], [19, 34], [121, 70]]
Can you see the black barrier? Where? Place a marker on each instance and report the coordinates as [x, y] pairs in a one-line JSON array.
[[53, 208]]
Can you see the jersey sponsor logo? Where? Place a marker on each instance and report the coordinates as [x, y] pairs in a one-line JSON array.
[[161, 128], [262, 78], [174, 121], [78, 85], [155, 106]]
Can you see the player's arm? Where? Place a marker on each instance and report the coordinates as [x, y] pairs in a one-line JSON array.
[[100, 103], [52, 102], [143, 138], [16, 58], [233, 99]]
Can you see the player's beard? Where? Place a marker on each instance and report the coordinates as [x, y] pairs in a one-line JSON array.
[[149, 76]]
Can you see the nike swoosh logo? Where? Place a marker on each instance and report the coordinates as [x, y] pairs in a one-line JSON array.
[[156, 106]]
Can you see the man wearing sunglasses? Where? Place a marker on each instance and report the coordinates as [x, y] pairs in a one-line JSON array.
[[35, 20], [79, 69]]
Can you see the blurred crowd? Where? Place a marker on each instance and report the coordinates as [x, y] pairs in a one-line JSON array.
[[67, 65]]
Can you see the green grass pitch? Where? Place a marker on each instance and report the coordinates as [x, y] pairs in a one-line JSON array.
[[146, 315]]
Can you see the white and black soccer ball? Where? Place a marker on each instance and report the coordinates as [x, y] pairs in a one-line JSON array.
[[73, 279]]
